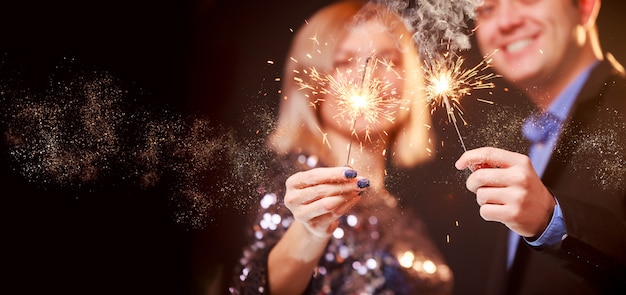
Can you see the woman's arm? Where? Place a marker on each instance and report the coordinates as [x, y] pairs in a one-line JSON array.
[[316, 198]]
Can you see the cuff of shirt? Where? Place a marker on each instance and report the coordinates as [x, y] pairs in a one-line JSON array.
[[554, 232]]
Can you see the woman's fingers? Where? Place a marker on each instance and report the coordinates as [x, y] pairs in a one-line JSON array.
[[318, 197], [322, 199], [320, 175], [326, 223], [310, 186]]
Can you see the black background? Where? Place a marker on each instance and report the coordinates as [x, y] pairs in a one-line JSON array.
[[194, 57]]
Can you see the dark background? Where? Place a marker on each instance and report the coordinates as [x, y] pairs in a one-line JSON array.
[[204, 58]]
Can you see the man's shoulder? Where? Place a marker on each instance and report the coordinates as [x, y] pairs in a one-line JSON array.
[[606, 84]]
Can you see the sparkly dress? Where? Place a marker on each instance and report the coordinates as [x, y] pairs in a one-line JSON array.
[[377, 249]]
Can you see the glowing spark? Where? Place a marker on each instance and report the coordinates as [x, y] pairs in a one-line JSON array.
[[447, 83], [485, 101], [358, 101], [367, 97], [325, 136]]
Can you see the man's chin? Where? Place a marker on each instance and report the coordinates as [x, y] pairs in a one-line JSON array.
[[520, 76]]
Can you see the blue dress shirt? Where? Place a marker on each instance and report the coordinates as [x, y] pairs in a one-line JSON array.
[[539, 155]]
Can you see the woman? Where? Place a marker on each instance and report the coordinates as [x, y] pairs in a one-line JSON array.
[[336, 232]]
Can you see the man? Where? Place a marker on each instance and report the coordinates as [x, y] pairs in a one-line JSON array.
[[565, 203]]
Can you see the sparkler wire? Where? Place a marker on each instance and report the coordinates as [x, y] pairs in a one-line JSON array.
[[367, 61], [459, 134], [448, 82]]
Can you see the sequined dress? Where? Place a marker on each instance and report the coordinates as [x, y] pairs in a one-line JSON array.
[[377, 249]]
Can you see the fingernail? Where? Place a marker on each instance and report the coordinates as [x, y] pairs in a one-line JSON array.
[[350, 173], [363, 183]]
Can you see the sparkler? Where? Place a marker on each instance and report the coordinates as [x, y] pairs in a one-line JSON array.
[[357, 102], [447, 83], [370, 98]]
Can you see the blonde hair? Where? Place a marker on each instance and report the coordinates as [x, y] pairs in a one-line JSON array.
[[297, 127]]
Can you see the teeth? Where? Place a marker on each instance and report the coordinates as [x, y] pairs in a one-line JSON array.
[[518, 45]]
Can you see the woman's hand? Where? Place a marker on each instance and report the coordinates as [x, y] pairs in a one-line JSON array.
[[318, 197]]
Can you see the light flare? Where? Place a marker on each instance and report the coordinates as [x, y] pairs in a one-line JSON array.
[[447, 82], [366, 96], [371, 98]]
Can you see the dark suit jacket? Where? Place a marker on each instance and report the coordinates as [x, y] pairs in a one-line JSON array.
[[587, 174]]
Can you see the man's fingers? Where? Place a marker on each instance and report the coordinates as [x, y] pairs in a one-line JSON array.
[[487, 157], [493, 212], [490, 195], [486, 177]]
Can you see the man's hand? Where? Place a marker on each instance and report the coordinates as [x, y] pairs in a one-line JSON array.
[[508, 190]]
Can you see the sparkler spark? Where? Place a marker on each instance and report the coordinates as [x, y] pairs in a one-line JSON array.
[[87, 131], [369, 97], [447, 82]]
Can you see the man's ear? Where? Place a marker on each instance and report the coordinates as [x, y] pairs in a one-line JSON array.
[[588, 10]]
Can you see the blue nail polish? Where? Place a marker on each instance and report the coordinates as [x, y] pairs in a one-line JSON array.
[[363, 183], [350, 173]]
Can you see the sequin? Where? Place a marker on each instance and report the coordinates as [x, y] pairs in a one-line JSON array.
[[376, 249]]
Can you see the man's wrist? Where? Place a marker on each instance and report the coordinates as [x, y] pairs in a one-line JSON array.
[[554, 232]]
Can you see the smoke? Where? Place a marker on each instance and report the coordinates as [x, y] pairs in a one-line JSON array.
[[439, 26], [442, 25]]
